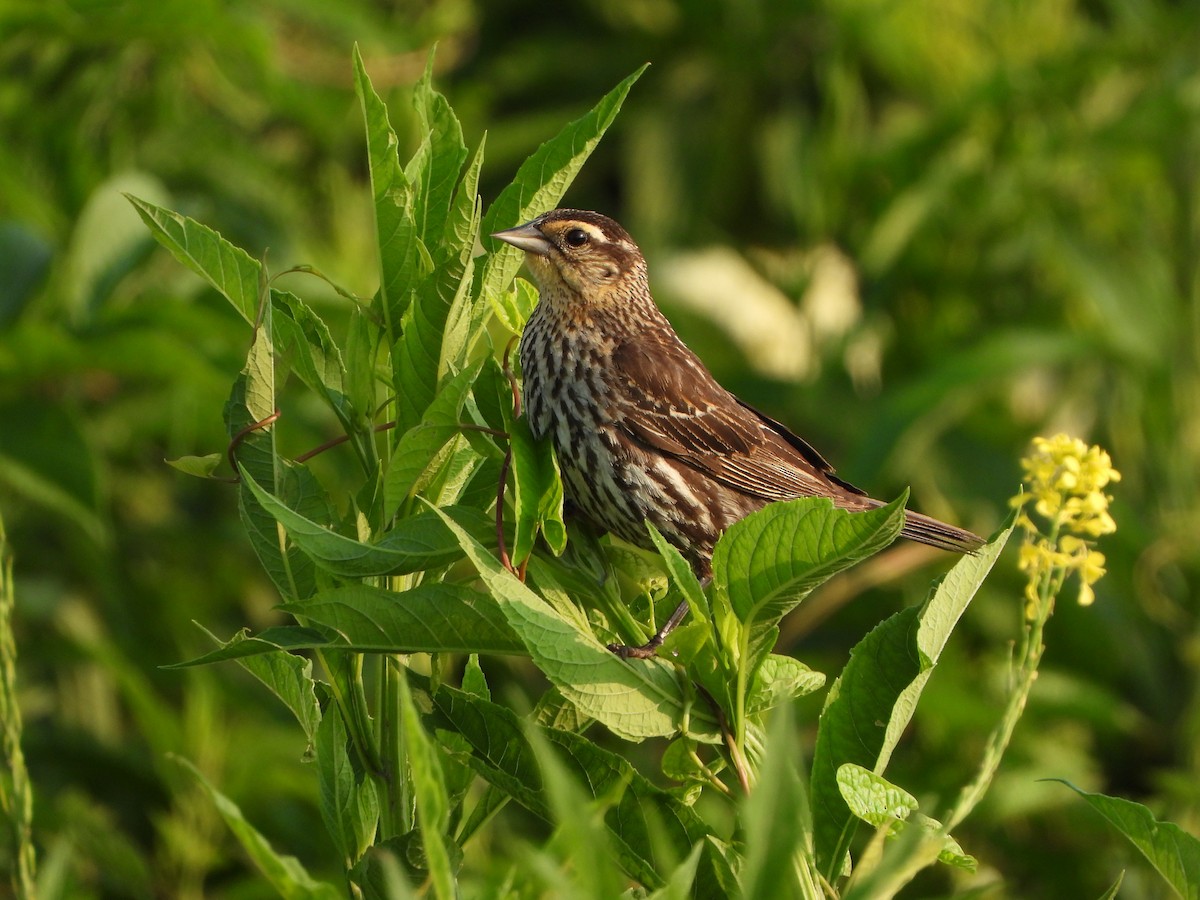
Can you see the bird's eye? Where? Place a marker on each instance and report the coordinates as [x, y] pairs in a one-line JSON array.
[[577, 237]]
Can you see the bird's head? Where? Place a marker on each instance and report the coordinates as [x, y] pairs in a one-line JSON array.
[[576, 255]]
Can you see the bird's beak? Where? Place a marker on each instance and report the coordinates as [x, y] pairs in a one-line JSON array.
[[527, 237]]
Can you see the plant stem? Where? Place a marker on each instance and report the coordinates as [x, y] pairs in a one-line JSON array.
[[396, 816], [16, 791], [1032, 647]]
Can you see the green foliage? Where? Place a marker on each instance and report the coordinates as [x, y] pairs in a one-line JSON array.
[[995, 203], [383, 579], [285, 873], [16, 790], [1173, 852]]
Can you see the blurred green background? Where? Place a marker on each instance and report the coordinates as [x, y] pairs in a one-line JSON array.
[[917, 232]]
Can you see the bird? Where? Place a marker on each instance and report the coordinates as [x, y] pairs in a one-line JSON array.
[[641, 429]]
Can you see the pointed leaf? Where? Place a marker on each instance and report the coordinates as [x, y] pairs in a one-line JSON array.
[[229, 269], [543, 179], [348, 799], [537, 493], [776, 817], [285, 874], [634, 701], [435, 167], [429, 787], [415, 543], [853, 727], [401, 254], [199, 466], [501, 753], [266, 657], [780, 679], [939, 615], [1166, 846], [429, 618], [882, 804], [769, 561], [417, 448]]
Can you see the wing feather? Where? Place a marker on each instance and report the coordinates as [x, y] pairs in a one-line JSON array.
[[669, 402]]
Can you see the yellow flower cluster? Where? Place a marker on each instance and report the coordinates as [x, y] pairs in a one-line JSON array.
[[1066, 481]]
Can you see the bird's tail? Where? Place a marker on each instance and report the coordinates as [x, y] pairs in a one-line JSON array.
[[927, 530]]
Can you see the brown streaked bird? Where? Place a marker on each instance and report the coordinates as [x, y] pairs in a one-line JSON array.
[[640, 427]]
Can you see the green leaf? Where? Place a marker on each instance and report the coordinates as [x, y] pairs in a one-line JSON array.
[[462, 225], [682, 575], [634, 701], [457, 249], [252, 403], [302, 338], [417, 448], [198, 466], [778, 680], [939, 616], [403, 259], [776, 818], [267, 657], [433, 804], [473, 680], [1115, 890], [873, 798], [295, 331], [285, 874], [417, 356], [501, 753], [542, 180], [289, 568], [882, 804], [348, 799], [458, 469], [415, 543], [359, 378], [227, 268], [435, 168], [580, 833], [429, 618], [680, 884], [1166, 846], [769, 561], [298, 332], [441, 275], [853, 727], [514, 306], [269, 640], [537, 493]]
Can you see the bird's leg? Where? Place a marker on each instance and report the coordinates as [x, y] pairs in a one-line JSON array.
[[651, 646], [648, 649]]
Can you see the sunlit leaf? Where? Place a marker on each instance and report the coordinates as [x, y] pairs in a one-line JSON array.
[[635, 701], [542, 180]]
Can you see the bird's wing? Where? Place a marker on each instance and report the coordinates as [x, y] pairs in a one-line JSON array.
[[669, 402]]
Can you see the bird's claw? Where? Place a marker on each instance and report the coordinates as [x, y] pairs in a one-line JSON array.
[[646, 651]]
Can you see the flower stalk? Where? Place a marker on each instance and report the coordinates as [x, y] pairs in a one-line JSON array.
[[1066, 481]]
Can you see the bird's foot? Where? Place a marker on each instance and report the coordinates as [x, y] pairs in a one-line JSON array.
[[647, 650]]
